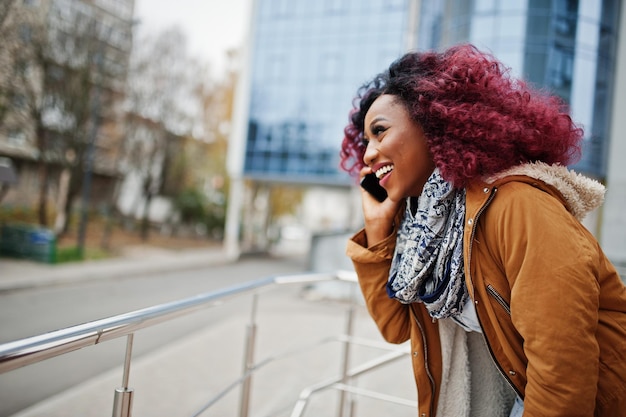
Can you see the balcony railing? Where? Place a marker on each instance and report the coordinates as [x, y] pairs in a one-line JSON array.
[[34, 349]]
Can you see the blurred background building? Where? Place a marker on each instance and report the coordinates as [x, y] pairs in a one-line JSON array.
[[95, 123], [306, 60], [63, 74]]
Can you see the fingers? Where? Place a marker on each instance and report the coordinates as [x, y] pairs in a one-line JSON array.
[[364, 171]]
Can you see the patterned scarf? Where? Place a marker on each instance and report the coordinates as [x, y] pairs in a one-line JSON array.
[[428, 261]]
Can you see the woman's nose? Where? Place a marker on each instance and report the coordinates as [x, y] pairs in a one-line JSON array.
[[370, 155]]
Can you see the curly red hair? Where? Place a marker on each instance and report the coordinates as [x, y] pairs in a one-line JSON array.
[[476, 118]]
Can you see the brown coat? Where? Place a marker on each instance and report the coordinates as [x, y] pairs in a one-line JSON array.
[[551, 305]]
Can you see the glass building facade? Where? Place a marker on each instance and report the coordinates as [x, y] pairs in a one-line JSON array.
[[566, 46], [308, 60], [310, 57]]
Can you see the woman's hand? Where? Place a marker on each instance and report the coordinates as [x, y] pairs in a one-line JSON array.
[[378, 216]]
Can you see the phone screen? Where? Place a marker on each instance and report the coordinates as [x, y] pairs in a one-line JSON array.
[[370, 183]]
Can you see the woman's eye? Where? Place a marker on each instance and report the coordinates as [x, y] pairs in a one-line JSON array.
[[377, 130], [365, 142]]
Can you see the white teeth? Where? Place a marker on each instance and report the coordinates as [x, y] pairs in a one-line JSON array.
[[381, 172]]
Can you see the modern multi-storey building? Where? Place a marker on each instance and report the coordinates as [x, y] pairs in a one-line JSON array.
[[306, 60]]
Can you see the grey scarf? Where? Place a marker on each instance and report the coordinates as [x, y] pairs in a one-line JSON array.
[[428, 261]]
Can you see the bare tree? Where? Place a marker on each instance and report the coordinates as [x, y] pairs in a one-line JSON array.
[[163, 105], [27, 59], [5, 8], [60, 88]]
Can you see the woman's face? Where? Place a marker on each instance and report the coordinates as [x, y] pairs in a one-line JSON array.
[[396, 148]]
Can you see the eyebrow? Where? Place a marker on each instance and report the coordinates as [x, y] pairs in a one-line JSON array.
[[377, 119]]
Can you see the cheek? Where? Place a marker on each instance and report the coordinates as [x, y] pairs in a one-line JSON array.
[[419, 166]]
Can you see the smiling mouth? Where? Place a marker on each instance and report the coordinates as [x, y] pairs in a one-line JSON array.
[[383, 171]]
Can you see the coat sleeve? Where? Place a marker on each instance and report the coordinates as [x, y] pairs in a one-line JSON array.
[[372, 268], [549, 259]]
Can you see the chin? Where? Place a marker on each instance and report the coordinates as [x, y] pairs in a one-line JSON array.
[[395, 197]]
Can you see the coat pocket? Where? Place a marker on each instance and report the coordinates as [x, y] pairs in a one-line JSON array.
[[499, 299]]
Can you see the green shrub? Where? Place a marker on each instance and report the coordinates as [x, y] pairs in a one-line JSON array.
[[68, 254], [191, 204]]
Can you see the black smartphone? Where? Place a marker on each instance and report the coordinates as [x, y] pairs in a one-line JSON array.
[[371, 185]]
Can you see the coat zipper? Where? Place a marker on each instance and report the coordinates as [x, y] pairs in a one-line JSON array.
[[495, 294], [493, 358]]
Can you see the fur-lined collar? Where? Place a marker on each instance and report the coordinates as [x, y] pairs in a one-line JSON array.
[[581, 193]]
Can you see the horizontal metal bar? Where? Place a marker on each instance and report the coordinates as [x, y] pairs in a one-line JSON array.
[[306, 393], [376, 344], [376, 395], [34, 349]]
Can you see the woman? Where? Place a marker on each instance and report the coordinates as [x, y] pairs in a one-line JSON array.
[[478, 255]]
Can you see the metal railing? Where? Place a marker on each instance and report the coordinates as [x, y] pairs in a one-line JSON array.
[[34, 349]]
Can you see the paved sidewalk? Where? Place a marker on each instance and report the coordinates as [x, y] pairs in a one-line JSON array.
[[20, 274]]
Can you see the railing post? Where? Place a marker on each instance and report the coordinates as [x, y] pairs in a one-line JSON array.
[[248, 361], [345, 361], [123, 401]]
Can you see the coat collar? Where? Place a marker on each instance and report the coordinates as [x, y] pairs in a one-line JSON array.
[[580, 194]]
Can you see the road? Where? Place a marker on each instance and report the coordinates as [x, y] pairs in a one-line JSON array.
[[35, 311]]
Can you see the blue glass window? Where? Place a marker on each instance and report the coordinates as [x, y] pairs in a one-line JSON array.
[[306, 70]]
